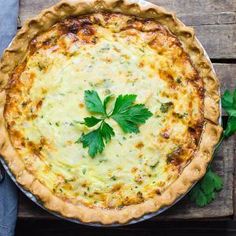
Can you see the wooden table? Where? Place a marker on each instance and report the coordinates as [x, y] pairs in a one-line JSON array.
[[215, 25]]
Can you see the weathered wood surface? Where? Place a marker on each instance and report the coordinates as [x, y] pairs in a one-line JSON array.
[[213, 20], [215, 24], [226, 74]]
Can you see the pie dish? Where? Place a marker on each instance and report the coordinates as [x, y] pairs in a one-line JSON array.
[[113, 47]]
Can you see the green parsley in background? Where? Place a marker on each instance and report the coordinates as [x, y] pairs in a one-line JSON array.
[[205, 190]]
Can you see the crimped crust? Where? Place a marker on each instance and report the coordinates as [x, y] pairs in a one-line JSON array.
[[211, 131]]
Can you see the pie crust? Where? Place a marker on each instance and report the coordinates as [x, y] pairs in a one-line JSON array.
[[16, 53]]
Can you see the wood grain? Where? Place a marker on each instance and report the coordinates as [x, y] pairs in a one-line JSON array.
[[226, 74], [213, 20], [192, 12], [147, 228]]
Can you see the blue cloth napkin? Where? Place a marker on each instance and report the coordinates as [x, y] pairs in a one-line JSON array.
[[8, 22], [8, 191]]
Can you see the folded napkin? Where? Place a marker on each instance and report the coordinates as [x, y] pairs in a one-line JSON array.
[[8, 190]]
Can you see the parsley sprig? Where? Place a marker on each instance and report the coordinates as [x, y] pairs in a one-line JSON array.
[[205, 190], [229, 105], [128, 115]]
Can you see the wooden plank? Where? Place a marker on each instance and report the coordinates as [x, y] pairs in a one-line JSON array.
[[198, 7], [213, 20], [226, 74], [148, 228], [221, 207], [192, 12], [218, 40]]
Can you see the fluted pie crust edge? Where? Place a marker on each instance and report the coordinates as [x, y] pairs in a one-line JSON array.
[[15, 54]]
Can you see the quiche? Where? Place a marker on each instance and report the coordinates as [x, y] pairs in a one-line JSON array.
[[114, 48]]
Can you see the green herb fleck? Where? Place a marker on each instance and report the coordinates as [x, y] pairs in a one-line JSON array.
[[178, 80], [107, 91], [113, 178], [141, 49], [103, 160], [84, 171], [166, 106], [155, 165], [180, 116]]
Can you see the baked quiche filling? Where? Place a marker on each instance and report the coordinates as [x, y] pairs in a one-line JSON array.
[[113, 54]]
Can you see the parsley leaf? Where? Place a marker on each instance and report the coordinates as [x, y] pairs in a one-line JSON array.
[[229, 102], [107, 132], [231, 127], [93, 141], [204, 191], [93, 102], [106, 101], [123, 103], [229, 105], [197, 196], [91, 121], [128, 115]]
